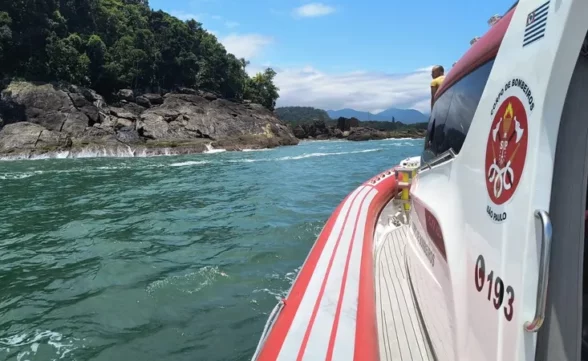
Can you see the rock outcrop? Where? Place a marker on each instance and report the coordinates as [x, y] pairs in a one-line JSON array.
[[318, 130], [44, 118]]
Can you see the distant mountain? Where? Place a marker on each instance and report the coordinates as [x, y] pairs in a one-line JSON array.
[[350, 113], [406, 116]]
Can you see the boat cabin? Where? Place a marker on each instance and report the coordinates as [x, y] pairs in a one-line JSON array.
[[505, 184], [473, 250]]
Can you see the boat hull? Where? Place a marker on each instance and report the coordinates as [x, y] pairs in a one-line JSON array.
[[330, 313]]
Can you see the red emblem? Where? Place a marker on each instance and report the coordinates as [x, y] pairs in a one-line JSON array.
[[506, 150]]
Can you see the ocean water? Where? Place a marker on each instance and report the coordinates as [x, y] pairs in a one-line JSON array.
[[164, 258]]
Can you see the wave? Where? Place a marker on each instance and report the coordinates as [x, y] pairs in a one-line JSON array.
[[93, 153], [279, 293], [188, 283], [211, 150], [15, 176], [312, 155], [28, 174], [255, 150], [27, 344], [324, 140], [391, 139], [303, 156], [188, 163], [24, 175]]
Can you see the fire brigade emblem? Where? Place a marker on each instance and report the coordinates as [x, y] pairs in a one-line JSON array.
[[506, 150]]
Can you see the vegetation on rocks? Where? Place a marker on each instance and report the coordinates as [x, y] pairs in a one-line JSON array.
[[312, 123], [109, 45], [301, 115]]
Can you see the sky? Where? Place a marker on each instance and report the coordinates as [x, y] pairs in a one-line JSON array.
[[367, 55]]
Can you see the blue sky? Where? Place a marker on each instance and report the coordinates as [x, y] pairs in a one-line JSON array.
[[331, 54]]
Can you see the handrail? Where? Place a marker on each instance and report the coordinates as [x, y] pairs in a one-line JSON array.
[[546, 235], [268, 325], [438, 159]]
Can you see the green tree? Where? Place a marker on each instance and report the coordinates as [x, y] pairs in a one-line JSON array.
[[65, 61], [5, 36], [96, 51], [298, 115], [114, 44], [261, 89]]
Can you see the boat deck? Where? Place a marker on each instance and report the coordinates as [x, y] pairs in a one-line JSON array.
[[401, 334]]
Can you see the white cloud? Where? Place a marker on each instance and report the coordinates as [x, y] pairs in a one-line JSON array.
[[182, 15], [231, 24], [313, 10], [216, 17], [245, 45], [360, 90]]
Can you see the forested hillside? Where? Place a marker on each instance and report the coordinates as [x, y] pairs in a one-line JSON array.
[[297, 115], [115, 44], [306, 115]]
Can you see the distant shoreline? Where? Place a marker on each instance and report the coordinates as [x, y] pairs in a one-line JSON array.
[[347, 140], [44, 120], [145, 152]]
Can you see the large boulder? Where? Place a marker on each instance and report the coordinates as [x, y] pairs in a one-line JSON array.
[[143, 101], [29, 137], [154, 99], [361, 134], [47, 106], [126, 94], [51, 117]]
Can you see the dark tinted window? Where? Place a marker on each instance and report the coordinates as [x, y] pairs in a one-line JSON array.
[[456, 112], [435, 130], [466, 96]]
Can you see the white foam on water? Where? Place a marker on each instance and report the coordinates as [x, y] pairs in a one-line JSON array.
[[279, 294], [392, 139], [15, 176], [28, 174], [303, 156], [127, 152], [324, 140], [211, 150], [188, 283], [247, 160], [255, 150], [312, 155], [27, 344], [189, 163], [113, 167]]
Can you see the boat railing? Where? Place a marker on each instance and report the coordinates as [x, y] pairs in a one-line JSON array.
[[441, 158], [268, 325]]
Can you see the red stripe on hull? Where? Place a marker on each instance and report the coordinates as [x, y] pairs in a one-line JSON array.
[[277, 335], [324, 283], [366, 335], [342, 292]]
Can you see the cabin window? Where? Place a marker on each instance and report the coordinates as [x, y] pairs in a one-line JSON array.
[[466, 96], [454, 111], [435, 133]]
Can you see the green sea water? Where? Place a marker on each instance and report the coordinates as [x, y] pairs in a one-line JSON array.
[[164, 258]]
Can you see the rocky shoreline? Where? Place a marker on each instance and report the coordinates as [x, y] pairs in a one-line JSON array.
[[53, 120], [319, 130]]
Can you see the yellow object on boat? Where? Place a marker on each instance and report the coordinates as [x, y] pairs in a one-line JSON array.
[[405, 192]]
